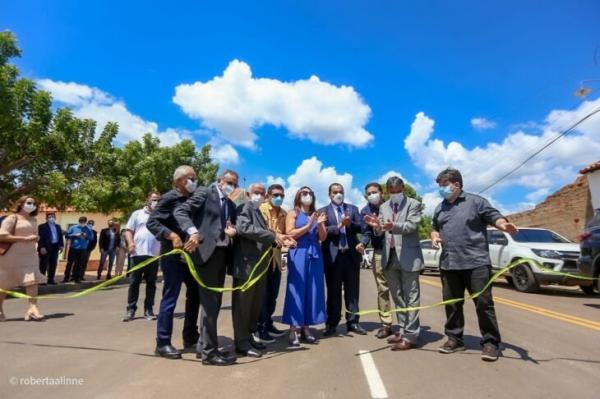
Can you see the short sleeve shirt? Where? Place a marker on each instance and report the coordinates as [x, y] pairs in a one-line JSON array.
[[463, 228], [145, 242]]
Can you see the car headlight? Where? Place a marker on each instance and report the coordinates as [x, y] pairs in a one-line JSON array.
[[547, 253]]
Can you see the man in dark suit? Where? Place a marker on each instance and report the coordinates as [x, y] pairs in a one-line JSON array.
[[109, 241], [50, 244], [253, 239], [209, 217], [342, 261], [163, 225]]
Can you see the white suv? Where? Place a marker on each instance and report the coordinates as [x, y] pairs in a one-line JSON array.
[[550, 249]]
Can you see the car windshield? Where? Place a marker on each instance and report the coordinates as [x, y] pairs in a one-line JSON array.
[[531, 235]]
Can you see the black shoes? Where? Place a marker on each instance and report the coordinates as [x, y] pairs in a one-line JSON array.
[[489, 352], [357, 329], [168, 352], [217, 359], [330, 331], [256, 344], [252, 352], [129, 315], [274, 331], [149, 314]]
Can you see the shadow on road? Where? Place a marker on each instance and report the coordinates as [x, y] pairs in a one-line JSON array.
[[47, 317]]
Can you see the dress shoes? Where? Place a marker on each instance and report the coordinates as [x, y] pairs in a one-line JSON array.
[[168, 352], [149, 314], [394, 339], [357, 329], [384, 332], [330, 331], [252, 352], [256, 344], [129, 315], [215, 359], [403, 345]]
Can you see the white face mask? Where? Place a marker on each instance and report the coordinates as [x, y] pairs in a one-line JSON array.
[[227, 189], [306, 200], [153, 204], [191, 185], [374, 198], [338, 198], [51, 220], [257, 199], [29, 208], [397, 198]]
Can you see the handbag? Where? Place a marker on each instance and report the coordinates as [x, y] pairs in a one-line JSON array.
[[5, 246]]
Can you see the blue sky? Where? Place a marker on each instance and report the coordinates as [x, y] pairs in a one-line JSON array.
[[512, 64]]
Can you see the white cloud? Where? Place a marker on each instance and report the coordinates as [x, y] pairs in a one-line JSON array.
[[482, 123], [312, 173], [224, 154], [91, 102], [481, 166], [236, 104]]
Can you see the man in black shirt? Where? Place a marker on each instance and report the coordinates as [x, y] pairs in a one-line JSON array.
[[460, 228], [162, 224]]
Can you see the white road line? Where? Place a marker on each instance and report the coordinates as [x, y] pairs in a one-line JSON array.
[[373, 378]]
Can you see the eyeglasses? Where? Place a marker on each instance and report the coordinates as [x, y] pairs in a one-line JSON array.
[[29, 203]]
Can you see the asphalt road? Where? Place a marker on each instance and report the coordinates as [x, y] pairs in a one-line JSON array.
[[551, 350]]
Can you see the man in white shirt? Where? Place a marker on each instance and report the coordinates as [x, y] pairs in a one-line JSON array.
[[142, 245]]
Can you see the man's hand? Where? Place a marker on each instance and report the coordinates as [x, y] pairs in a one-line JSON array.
[[346, 221], [436, 240], [387, 226], [43, 251], [176, 240], [131, 248], [230, 230], [193, 242], [510, 228], [372, 221], [360, 248]]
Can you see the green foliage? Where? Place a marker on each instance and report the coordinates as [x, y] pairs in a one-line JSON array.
[[59, 158]]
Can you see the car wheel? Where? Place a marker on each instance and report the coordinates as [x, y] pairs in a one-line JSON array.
[[523, 279], [589, 289], [509, 280]]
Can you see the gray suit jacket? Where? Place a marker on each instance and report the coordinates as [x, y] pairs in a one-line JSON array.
[[405, 232], [253, 239]]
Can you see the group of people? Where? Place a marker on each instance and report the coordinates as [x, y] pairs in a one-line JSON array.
[[325, 247]]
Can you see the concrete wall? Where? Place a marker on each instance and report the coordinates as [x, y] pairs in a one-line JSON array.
[[566, 211]]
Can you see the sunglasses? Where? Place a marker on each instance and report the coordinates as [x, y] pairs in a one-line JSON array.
[[30, 203], [278, 196]]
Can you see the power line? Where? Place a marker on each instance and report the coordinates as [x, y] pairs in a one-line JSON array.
[[562, 134]]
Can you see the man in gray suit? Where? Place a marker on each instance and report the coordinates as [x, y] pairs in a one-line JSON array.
[[253, 239], [209, 217], [402, 258]]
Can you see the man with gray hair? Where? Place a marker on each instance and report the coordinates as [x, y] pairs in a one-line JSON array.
[[253, 238], [163, 225], [401, 259]]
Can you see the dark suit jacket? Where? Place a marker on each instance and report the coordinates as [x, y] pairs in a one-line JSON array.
[[93, 241], [252, 240], [330, 246], [203, 211], [45, 235], [104, 240], [162, 222]]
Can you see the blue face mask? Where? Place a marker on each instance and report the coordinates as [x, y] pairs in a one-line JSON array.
[[277, 201], [446, 192]]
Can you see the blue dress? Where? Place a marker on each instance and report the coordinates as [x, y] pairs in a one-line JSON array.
[[305, 295]]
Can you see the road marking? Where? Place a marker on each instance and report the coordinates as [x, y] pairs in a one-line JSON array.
[[373, 378], [594, 325]]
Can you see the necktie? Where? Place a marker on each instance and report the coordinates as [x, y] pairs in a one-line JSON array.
[[224, 212], [343, 238], [395, 210]]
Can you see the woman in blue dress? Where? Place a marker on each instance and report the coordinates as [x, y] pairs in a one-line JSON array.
[[305, 295]]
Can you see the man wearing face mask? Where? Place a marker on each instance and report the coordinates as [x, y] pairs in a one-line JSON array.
[[79, 239], [93, 241], [402, 259], [142, 245], [275, 216], [50, 245], [253, 238], [342, 258], [460, 228], [163, 225], [374, 194], [109, 241], [209, 218]]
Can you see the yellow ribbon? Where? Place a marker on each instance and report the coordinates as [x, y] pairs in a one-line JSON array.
[[252, 280], [494, 277]]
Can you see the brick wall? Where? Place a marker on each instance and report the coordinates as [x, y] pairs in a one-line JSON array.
[[565, 211]]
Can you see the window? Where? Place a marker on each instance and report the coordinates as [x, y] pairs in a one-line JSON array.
[[539, 235]]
